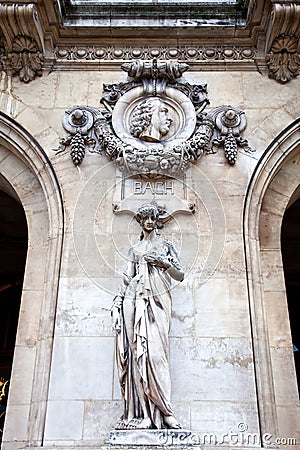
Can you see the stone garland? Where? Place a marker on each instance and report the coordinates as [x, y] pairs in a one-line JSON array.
[[135, 161], [153, 84]]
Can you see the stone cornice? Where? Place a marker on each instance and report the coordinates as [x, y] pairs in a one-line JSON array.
[[146, 15], [267, 39], [217, 22]]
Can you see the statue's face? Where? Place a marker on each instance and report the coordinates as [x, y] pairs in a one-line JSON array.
[[149, 223], [161, 120]]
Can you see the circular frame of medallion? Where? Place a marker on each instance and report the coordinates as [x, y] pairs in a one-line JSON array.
[[180, 109]]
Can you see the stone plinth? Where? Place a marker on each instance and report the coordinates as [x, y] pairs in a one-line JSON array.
[[163, 437]]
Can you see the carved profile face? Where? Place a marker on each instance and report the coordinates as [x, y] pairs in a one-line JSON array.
[[150, 120]]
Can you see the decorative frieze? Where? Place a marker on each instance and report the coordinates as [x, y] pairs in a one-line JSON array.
[[129, 53], [154, 125], [282, 43], [23, 40]]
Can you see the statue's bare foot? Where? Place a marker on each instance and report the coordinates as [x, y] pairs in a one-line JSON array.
[[171, 422], [139, 424], [121, 425], [144, 424], [133, 424]]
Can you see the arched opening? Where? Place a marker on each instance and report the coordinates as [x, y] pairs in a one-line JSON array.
[[290, 246], [272, 189], [13, 250], [28, 177]]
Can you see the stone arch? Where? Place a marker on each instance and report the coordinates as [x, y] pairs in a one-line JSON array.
[[273, 187], [28, 171]]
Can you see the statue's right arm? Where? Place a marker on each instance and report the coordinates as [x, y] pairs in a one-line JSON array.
[[129, 273], [118, 300]]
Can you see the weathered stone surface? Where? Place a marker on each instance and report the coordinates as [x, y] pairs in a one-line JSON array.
[[71, 353], [168, 437], [64, 420], [230, 344]]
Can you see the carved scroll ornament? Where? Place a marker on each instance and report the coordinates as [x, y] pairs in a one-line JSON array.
[[154, 125]]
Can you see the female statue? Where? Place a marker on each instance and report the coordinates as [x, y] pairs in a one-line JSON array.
[[141, 318]]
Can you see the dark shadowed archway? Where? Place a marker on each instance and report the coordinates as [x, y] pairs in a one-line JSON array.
[[13, 250], [290, 244]]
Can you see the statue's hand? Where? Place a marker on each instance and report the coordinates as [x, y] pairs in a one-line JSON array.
[[158, 261], [116, 320]]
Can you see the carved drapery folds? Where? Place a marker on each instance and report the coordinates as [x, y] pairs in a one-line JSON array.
[[23, 40], [282, 44], [153, 124]]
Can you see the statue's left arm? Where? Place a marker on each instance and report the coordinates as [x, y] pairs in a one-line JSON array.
[[169, 262], [175, 270]]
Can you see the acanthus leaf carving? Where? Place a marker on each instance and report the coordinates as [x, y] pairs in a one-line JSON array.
[[197, 93], [282, 43], [113, 92], [284, 60], [23, 40], [25, 59], [150, 133]]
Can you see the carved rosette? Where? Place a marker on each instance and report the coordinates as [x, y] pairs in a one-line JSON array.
[[154, 125]]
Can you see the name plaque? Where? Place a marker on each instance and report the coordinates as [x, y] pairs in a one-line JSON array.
[[173, 194], [153, 187]]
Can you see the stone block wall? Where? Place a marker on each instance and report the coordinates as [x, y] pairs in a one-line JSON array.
[[214, 386]]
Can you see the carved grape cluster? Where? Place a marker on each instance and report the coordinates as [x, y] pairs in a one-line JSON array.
[[199, 142], [230, 149], [77, 148], [78, 143]]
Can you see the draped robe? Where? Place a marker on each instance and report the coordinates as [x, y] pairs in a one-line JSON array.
[[142, 345]]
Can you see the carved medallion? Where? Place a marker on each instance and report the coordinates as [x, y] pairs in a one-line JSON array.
[[154, 125]]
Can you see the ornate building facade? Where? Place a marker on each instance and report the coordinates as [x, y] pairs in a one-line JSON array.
[[193, 106]]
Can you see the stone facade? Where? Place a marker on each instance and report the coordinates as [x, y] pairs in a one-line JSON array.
[[231, 356]]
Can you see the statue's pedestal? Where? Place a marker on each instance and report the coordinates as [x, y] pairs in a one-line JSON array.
[[153, 437]]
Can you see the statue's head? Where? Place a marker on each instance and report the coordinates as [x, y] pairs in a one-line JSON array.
[[146, 211], [150, 120]]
